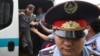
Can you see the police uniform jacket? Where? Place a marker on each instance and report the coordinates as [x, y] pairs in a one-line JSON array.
[[93, 44], [54, 51]]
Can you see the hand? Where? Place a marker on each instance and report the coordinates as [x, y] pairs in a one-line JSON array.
[[40, 22], [33, 23], [21, 13]]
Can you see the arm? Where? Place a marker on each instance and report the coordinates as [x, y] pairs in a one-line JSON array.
[[45, 37], [21, 14], [33, 23], [45, 28]]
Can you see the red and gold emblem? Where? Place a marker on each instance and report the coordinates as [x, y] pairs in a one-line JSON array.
[[71, 25]]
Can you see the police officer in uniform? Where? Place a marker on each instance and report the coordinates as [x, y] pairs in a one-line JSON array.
[[93, 37], [70, 20]]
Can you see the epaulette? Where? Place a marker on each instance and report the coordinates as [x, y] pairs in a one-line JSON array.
[[47, 51]]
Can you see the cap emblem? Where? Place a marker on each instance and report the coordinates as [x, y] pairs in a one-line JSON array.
[[70, 7], [71, 25]]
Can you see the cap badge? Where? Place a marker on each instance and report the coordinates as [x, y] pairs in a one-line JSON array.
[[70, 7], [70, 25]]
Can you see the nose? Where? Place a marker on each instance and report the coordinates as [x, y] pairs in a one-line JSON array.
[[68, 42]]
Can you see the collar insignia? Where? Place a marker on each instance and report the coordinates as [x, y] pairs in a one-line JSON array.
[[94, 45], [70, 7]]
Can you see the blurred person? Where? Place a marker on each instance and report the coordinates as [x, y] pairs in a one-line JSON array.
[[70, 19], [26, 19], [93, 37], [40, 14]]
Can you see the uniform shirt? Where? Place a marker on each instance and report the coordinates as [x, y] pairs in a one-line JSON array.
[[93, 44], [54, 51], [51, 36]]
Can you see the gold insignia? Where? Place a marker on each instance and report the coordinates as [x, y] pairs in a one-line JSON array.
[[70, 7], [71, 25]]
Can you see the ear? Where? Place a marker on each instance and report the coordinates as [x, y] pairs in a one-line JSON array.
[[89, 28]]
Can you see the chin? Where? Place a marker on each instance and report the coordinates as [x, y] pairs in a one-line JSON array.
[[66, 53]]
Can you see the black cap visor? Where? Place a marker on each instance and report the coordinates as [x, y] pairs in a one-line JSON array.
[[70, 34]]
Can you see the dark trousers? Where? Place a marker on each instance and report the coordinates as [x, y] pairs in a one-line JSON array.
[[26, 39]]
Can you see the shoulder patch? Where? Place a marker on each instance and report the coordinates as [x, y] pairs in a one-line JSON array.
[[47, 52], [94, 45]]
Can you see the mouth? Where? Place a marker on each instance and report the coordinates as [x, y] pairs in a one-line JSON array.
[[68, 49]]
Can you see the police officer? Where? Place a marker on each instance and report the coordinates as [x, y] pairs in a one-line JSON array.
[[93, 37], [70, 20]]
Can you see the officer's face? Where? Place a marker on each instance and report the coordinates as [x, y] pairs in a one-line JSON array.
[[68, 46]]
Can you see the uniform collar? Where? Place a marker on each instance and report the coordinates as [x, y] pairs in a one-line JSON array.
[[57, 52], [93, 38], [85, 52]]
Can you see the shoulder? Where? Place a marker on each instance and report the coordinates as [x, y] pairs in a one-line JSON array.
[[47, 51], [98, 36], [51, 36], [93, 39]]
